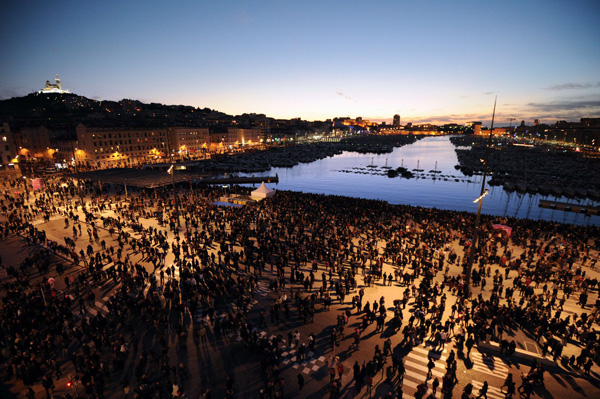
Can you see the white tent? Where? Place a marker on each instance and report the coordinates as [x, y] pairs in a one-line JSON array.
[[262, 192]]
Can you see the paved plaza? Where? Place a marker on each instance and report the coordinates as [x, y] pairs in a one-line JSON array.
[[247, 336]]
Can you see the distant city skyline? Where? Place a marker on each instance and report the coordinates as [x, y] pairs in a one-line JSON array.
[[430, 62]]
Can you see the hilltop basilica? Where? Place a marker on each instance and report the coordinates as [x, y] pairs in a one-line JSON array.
[[54, 88]]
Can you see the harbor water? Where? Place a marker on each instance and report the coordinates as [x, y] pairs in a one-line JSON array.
[[365, 176]]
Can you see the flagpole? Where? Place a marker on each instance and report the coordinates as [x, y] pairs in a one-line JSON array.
[[474, 241]]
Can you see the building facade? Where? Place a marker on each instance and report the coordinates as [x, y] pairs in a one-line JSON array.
[[249, 137], [34, 142], [120, 146], [8, 150], [224, 140], [189, 142]]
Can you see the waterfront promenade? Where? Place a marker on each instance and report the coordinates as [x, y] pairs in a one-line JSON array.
[[238, 292]]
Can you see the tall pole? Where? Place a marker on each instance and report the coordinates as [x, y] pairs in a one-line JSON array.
[[474, 241], [173, 182], [175, 195], [77, 173], [26, 189]]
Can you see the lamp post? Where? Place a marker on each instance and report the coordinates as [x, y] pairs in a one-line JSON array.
[[484, 191], [172, 173], [26, 188], [77, 171]]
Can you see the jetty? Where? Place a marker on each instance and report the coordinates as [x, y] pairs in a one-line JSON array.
[[239, 180], [158, 177], [569, 207]]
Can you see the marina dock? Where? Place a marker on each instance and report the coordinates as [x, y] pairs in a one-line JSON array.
[[569, 207], [240, 180]]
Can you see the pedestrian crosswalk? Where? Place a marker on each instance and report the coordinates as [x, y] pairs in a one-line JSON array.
[[492, 392], [262, 288], [99, 307], [489, 364], [415, 363], [310, 363]]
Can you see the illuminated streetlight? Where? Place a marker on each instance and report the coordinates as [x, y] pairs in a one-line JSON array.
[[478, 199]]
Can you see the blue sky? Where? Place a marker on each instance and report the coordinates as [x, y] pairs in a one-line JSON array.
[[428, 60]]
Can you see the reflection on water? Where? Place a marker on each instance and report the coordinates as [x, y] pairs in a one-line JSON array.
[[364, 176]]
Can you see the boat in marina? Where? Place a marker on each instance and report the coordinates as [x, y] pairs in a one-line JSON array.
[[556, 191], [544, 189], [532, 188], [435, 169], [418, 169]]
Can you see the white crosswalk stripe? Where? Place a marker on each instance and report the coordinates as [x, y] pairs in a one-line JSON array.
[[414, 385], [489, 364], [262, 288], [434, 372], [99, 306], [430, 353], [415, 364], [492, 393]]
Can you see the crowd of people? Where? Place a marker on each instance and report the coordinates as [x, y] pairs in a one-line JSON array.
[[179, 279]]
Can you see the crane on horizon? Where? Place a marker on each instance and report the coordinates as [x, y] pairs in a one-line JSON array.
[[510, 120]]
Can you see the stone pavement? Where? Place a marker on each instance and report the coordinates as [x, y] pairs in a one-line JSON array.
[[318, 362]]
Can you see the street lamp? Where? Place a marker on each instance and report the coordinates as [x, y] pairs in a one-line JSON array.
[[75, 151], [26, 189], [478, 199], [171, 171]]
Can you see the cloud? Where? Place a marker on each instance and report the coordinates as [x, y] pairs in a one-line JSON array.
[[565, 105], [546, 113], [451, 118], [568, 109], [339, 93], [573, 86], [488, 93]]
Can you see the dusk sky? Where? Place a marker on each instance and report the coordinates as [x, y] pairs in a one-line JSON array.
[[430, 61]]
